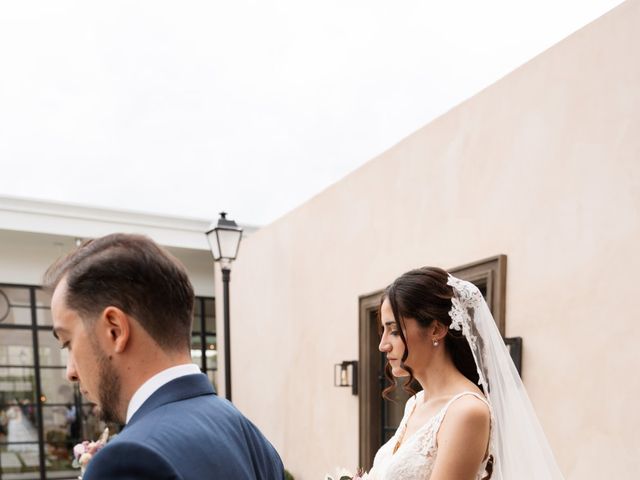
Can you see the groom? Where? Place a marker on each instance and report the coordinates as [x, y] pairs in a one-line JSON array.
[[122, 307]]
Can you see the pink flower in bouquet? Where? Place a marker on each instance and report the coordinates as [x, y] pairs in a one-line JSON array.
[[79, 449], [84, 452]]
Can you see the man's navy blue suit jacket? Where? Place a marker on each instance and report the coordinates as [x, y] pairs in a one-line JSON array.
[[185, 431]]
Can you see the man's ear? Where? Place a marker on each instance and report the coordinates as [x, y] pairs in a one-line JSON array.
[[117, 328]]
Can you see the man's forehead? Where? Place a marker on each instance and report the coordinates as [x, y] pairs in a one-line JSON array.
[[60, 314], [59, 295]]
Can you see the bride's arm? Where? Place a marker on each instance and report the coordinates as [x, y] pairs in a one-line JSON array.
[[462, 440]]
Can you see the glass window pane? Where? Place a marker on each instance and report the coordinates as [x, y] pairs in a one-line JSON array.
[[211, 352], [197, 307], [17, 385], [196, 350], [17, 296], [210, 307], [210, 315], [16, 316], [56, 389], [43, 299], [92, 424], [210, 324], [43, 310], [211, 342], [61, 433], [43, 316], [209, 311], [58, 460], [15, 306], [196, 341], [51, 355], [17, 376], [196, 324], [16, 347], [393, 410], [20, 452], [19, 461], [212, 358]]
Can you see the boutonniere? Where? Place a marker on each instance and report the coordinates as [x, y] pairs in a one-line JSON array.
[[84, 452]]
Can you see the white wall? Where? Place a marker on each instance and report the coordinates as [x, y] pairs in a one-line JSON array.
[[543, 166]]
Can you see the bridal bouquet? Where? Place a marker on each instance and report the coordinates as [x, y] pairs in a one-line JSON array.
[[344, 474], [84, 452]]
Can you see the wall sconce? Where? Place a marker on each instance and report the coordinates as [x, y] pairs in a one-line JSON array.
[[345, 374], [514, 345]]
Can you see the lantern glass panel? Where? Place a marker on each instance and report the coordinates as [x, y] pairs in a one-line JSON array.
[[212, 238], [229, 241]]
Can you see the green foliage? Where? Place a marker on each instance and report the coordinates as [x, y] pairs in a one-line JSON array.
[[56, 436]]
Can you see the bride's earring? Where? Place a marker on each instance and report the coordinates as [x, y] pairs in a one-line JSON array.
[[435, 342]]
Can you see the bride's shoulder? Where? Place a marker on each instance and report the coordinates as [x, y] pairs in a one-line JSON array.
[[465, 431], [468, 412]]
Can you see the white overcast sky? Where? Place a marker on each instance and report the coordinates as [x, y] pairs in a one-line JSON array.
[[191, 107]]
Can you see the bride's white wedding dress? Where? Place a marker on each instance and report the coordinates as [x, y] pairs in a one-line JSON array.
[[416, 456], [20, 429]]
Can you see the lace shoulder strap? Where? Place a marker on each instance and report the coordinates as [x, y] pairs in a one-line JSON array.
[[412, 402], [477, 395], [409, 407], [443, 412]]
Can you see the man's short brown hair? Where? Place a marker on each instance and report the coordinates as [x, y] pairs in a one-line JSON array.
[[134, 274]]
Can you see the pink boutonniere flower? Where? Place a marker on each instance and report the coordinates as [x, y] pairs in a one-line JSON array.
[[84, 452]]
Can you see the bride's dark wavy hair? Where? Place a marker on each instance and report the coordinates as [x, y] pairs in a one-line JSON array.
[[424, 295]]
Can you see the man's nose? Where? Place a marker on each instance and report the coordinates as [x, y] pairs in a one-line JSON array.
[[72, 374]]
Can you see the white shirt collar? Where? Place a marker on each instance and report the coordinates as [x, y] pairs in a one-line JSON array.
[[149, 387]]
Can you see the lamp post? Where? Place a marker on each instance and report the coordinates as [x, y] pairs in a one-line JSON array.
[[224, 241]]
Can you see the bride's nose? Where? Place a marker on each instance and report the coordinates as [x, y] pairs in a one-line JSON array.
[[384, 345]]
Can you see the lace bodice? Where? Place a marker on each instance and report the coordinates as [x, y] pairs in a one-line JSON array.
[[416, 457]]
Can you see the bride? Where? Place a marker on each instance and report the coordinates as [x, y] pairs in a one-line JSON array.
[[473, 419], [21, 435]]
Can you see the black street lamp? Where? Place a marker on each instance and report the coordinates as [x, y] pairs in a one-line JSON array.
[[224, 241]]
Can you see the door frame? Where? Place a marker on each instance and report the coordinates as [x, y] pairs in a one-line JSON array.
[[369, 383]]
